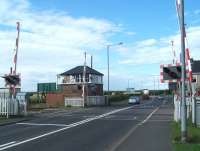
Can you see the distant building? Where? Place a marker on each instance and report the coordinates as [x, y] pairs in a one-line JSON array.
[[71, 82], [70, 88]]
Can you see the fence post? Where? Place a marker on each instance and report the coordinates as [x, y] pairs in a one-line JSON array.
[[7, 107]]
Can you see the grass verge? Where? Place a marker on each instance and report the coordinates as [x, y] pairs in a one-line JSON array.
[[2, 119], [193, 140]]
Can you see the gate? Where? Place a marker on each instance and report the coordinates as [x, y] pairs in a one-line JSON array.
[[10, 106]]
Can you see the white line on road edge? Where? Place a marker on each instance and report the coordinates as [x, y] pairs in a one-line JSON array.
[[37, 124], [65, 128], [114, 147], [3, 145]]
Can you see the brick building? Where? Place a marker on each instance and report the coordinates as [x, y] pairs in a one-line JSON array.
[[70, 87], [71, 82]]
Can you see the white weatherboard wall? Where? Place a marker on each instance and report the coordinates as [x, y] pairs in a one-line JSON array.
[[96, 100], [90, 101], [77, 102]]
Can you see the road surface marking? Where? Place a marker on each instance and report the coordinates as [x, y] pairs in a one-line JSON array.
[[149, 116], [114, 147], [3, 145], [159, 120], [37, 124], [115, 118], [65, 128]]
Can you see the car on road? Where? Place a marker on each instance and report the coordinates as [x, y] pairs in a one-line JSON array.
[[160, 97], [134, 100]]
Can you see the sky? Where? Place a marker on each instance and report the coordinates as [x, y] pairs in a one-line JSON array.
[[56, 33]]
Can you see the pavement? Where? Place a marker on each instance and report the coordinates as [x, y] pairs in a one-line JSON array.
[[144, 127]]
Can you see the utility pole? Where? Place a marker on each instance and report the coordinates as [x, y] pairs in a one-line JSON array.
[[154, 86], [183, 101], [84, 81], [108, 65], [158, 84], [91, 61]]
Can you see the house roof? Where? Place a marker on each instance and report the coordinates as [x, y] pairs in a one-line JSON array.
[[79, 70], [195, 66]]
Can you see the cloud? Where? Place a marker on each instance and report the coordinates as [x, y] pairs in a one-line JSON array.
[[50, 41], [159, 51], [148, 42]]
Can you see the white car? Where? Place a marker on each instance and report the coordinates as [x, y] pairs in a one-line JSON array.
[[134, 100]]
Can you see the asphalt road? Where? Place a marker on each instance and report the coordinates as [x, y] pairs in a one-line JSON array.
[[144, 127]]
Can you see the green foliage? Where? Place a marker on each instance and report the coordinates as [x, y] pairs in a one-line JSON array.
[[118, 97], [193, 141], [36, 98], [68, 106]]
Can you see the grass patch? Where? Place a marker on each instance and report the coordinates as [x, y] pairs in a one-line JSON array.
[[2, 119], [193, 141], [5, 120]]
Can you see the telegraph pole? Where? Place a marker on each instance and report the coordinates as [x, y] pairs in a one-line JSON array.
[[183, 101], [84, 81], [108, 65]]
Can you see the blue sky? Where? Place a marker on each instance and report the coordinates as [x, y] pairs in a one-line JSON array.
[[55, 33], [147, 18]]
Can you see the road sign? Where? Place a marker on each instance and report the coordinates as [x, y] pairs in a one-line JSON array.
[[46, 87], [171, 73], [12, 80]]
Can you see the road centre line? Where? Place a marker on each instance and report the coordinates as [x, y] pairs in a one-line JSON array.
[[150, 115], [37, 124], [65, 128], [114, 147]]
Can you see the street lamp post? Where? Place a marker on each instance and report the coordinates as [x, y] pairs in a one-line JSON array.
[[108, 65]]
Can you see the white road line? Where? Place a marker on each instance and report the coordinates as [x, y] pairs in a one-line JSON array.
[[149, 116], [65, 128], [114, 147], [3, 145], [37, 124]]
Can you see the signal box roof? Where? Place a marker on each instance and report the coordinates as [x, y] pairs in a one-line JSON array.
[[79, 70]]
